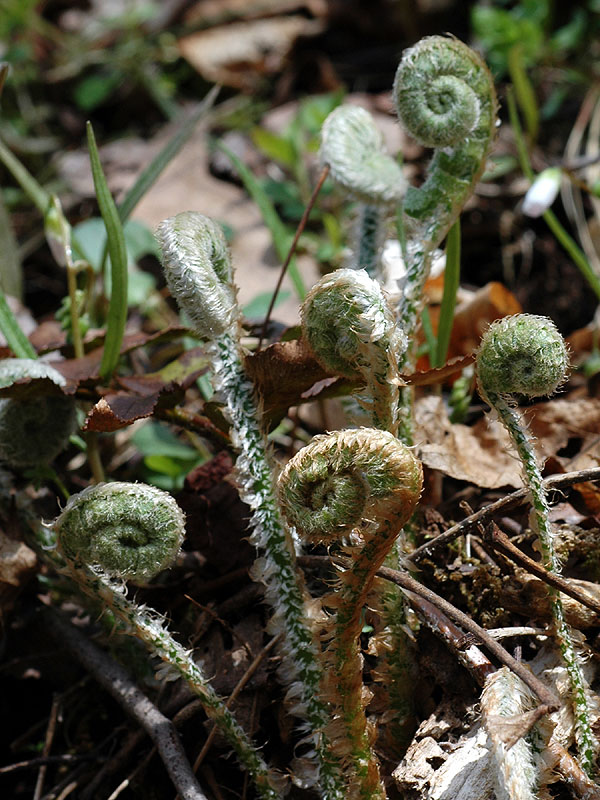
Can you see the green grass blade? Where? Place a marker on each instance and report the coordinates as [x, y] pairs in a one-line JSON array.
[[282, 238], [524, 91], [38, 196], [148, 176], [451, 281], [17, 341], [117, 310]]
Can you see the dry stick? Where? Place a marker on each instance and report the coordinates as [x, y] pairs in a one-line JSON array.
[[117, 683], [500, 541], [510, 501], [549, 701], [235, 694], [50, 731], [292, 250]]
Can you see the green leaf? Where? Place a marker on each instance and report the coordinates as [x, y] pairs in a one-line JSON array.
[[282, 238], [17, 341], [275, 147], [117, 311], [257, 308], [90, 92]]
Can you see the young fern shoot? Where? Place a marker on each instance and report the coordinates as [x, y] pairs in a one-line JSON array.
[[113, 532], [198, 270], [352, 147], [445, 99], [351, 330], [525, 354], [362, 483]]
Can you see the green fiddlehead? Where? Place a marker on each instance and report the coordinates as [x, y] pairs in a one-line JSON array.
[[445, 99], [115, 531], [362, 484], [352, 148], [199, 271], [349, 326], [33, 431], [525, 354]]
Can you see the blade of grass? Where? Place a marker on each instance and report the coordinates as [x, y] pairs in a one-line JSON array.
[[524, 91], [568, 244], [149, 175], [117, 310], [38, 196], [451, 281], [17, 341], [280, 234]]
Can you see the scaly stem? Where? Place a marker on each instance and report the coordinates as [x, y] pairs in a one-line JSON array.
[[586, 741], [149, 628], [368, 256], [283, 590]]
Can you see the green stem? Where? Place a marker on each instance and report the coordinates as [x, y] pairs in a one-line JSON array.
[[586, 741], [283, 589], [150, 630]]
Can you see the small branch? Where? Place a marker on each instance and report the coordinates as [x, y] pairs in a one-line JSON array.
[[292, 250], [235, 694], [402, 579], [500, 541], [117, 683], [510, 501]]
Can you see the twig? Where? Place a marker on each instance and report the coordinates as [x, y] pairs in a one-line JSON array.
[[292, 250], [470, 655], [235, 694], [117, 683], [50, 731], [500, 541], [549, 700], [510, 501]]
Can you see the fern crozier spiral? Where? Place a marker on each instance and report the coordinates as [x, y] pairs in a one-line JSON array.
[[522, 354], [129, 530], [198, 271]]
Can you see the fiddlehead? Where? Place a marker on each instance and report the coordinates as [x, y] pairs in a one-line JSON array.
[[35, 431], [129, 530], [352, 148], [125, 530], [198, 271], [365, 484], [445, 98], [526, 354], [196, 262], [351, 330]]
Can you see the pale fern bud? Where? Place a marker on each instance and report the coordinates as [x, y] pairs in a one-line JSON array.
[[522, 354], [198, 271], [353, 148], [129, 530]]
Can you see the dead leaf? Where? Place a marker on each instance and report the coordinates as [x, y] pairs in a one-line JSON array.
[[241, 53], [480, 454]]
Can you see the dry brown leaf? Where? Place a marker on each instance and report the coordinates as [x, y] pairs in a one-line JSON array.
[[480, 454], [483, 454], [240, 53]]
